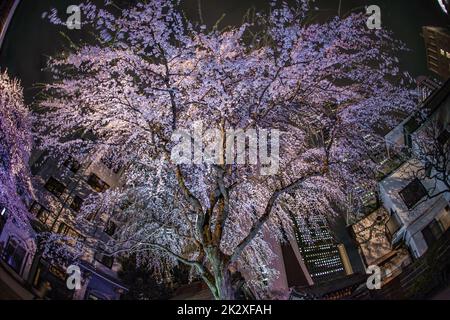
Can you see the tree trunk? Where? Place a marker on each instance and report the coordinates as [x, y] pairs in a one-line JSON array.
[[224, 285]]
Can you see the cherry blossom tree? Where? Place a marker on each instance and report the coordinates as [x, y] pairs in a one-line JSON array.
[[15, 146], [153, 72]]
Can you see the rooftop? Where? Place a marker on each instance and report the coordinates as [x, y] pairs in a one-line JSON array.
[[407, 196], [370, 234]]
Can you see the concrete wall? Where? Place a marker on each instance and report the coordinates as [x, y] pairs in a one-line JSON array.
[[413, 220]]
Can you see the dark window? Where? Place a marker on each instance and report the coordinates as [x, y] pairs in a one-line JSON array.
[[96, 183], [76, 204], [110, 228], [40, 211], [55, 187], [72, 164], [39, 163], [410, 126], [443, 137], [107, 261], [90, 216], [428, 169], [432, 233], [14, 255], [413, 193]]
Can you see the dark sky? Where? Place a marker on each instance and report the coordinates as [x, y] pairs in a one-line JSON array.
[[30, 39], [404, 17]]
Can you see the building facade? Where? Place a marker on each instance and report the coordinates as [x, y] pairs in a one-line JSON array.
[[34, 260], [437, 43], [419, 203], [63, 186], [415, 211]]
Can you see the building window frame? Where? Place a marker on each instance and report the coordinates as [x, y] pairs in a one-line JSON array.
[[40, 212], [413, 193], [55, 187], [107, 261], [76, 203], [10, 255], [72, 164], [96, 183], [110, 228]]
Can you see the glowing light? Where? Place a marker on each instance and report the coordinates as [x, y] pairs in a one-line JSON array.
[[3, 212], [441, 3]]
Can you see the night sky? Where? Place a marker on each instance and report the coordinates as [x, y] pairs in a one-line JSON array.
[[30, 39]]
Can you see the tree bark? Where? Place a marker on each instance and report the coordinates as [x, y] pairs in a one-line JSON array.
[[223, 286]]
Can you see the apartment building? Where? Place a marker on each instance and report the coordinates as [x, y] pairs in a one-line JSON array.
[[319, 250], [437, 43], [414, 212], [62, 187], [420, 203]]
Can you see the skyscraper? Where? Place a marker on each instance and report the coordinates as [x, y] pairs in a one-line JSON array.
[[319, 249], [437, 43]]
